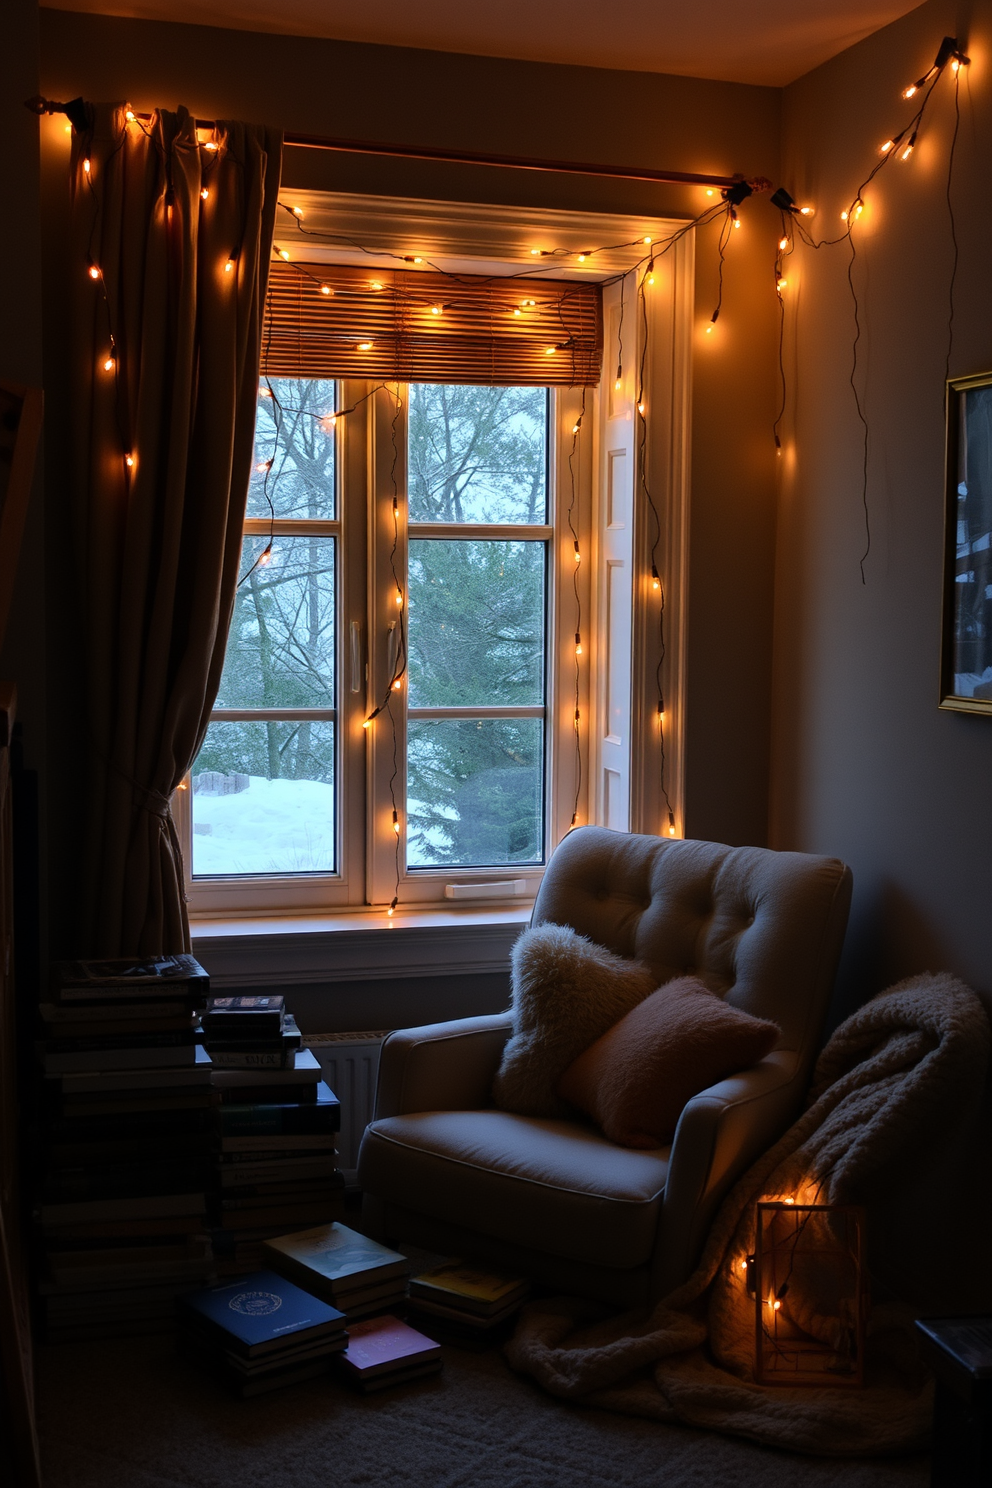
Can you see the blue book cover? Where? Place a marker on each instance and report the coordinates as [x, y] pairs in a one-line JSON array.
[[259, 1313]]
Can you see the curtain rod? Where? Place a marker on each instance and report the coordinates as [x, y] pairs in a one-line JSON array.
[[449, 157]]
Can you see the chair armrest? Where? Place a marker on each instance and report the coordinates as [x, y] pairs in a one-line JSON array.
[[721, 1132], [441, 1066]]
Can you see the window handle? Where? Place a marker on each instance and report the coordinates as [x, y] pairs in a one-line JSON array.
[[357, 679]]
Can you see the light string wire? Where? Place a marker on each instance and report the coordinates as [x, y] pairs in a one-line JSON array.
[[949, 54], [570, 519]]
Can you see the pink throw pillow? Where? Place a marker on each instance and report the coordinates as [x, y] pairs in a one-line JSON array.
[[636, 1078]]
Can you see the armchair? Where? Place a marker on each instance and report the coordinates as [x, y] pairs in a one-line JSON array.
[[442, 1167]]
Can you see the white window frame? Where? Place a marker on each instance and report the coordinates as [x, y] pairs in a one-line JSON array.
[[485, 239]]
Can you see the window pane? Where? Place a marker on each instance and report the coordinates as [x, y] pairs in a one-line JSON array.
[[293, 430], [476, 623], [280, 651], [475, 792], [478, 454], [263, 799]]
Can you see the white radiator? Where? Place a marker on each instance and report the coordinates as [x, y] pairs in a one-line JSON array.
[[350, 1065]]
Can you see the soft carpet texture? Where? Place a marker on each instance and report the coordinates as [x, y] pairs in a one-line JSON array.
[[636, 1078], [566, 992], [893, 1089], [130, 1413]]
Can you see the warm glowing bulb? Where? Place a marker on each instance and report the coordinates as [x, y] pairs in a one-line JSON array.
[[535, 253], [437, 309], [806, 211], [418, 260], [390, 912], [263, 465], [907, 152], [298, 212], [518, 312], [710, 191], [617, 385], [909, 92], [399, 596], [783, 243], [94, 272], [229, 266], [365, 346], [583, 257], [577, 554], [396, 824], [108, 365], [737, 222], [640, 409], [210, 145], [955, 65], [743, 1265], [375, 284], [328, 422], [266, 557], [860, 206], [397, 685], [649, 279], [129, 461], [578, 643], [204, 194], [709, 330], [671, 831], [129, 116], [68, 129], [776, 1305], [86, 166], [326, 289], [884, 149], [782, 283], [790, 1201], [550, 350], [843, 216], [367, 723], [647, 240], [283, 253]]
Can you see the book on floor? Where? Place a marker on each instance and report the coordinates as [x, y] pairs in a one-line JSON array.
[[333, 1260], [385, 1348], [468, 1288], [258, 1314]]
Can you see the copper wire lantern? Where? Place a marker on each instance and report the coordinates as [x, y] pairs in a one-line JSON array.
[[809, 1281]]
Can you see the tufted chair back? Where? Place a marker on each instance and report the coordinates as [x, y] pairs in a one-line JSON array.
[[761, 928]]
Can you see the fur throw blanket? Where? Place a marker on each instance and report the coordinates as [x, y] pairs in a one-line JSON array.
[[893, 1105]]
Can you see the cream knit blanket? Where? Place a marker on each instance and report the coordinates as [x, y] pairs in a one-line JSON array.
[[897, 1087]]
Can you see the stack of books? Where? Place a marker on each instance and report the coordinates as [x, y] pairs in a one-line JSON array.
[[276, 1130], [465, 1303], [261, 1332], [125, 1145], [383, 1351], [356, 1274]]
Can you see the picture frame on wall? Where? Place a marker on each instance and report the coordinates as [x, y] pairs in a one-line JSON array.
[[966, 650]]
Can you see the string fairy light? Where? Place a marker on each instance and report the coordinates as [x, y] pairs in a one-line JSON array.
[[949, 55]]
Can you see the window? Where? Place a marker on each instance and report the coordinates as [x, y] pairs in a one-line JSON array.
[[403, 718]]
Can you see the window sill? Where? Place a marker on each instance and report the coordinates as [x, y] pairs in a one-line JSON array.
[[356, 946]]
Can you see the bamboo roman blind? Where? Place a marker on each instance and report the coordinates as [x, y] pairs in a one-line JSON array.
[[398, 325]]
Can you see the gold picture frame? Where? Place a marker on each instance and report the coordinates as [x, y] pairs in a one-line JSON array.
[[966, 642]]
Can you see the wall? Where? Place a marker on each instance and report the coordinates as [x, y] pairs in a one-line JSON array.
[[865, 765], [330, 88]]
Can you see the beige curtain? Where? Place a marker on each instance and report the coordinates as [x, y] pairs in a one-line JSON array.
[[170, 241]]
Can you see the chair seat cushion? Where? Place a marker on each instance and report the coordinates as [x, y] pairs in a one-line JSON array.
[[556, 1186]]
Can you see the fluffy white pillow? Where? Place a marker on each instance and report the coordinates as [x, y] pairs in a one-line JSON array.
[[567, 991]]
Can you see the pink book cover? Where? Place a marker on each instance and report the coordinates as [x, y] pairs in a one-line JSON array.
[[380, 1341]]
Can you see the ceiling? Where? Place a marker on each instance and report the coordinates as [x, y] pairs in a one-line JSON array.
[[745, 41]]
